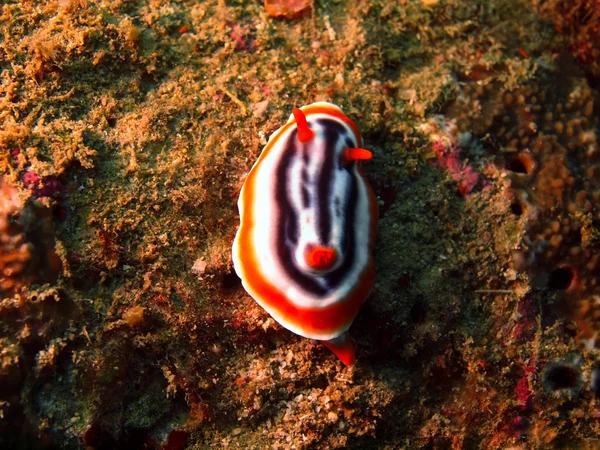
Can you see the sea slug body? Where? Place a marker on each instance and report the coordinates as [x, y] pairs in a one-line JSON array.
[[308, 221]]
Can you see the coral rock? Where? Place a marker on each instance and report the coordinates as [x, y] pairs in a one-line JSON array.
[[287, 8], [27, 252]]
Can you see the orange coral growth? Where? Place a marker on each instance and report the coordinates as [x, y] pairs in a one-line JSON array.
[[134, 315], [287, 8]]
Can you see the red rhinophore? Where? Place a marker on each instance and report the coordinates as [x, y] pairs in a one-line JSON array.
[[353, 154], [305, 134]]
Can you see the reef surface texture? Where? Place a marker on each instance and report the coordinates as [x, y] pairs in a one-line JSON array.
[[126, 130]]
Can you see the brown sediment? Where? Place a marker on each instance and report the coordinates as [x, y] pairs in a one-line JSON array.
[[125, 132]]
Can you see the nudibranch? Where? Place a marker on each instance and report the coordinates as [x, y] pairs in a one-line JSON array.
[[308, 217]]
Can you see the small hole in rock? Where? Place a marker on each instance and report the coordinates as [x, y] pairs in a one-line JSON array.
[[514, 164], [595, 382], [418, 312], [516, 209], [97, 437], [519, 163], [177, 440], [230, 281], [134, 438], [560, 278], [561, 377]]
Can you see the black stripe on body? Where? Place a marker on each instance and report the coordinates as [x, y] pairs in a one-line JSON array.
[[349, 143], [304, 178], [333, 130], [287, 218], [305, 197]]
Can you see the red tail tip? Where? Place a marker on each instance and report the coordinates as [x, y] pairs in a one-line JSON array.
[[343, 348], [353, 154], [305, 134]]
